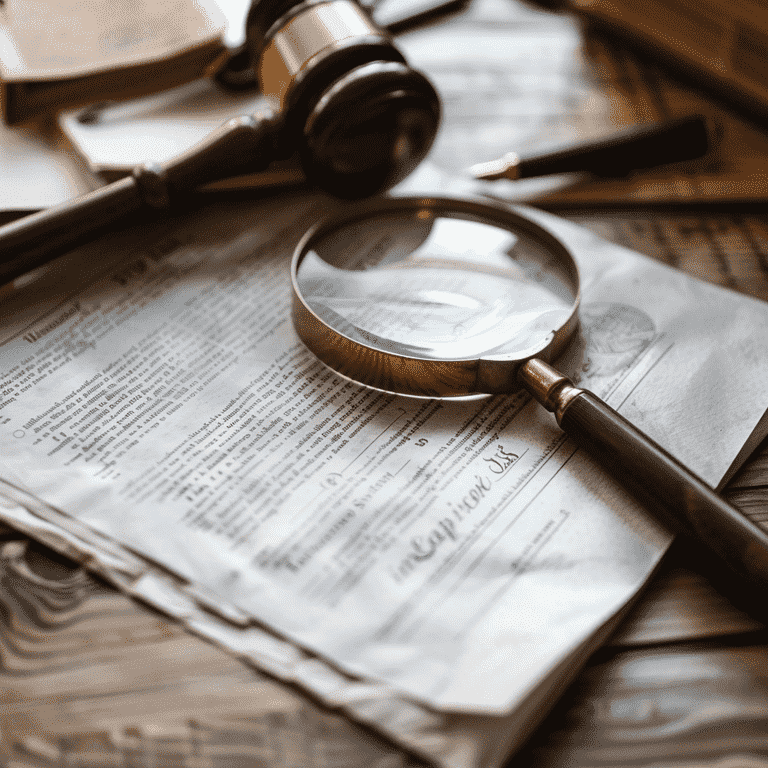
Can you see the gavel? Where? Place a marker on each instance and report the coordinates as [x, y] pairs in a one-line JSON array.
[[359, 117]]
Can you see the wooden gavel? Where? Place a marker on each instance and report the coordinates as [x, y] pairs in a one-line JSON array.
[[360, 118]]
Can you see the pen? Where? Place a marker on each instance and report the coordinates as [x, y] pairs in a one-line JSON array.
[[638, 147]]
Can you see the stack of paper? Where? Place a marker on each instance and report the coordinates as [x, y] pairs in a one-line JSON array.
[[157, 407]]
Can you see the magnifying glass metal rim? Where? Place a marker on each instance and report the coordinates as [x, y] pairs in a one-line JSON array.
[[678, 498], [421, 376]]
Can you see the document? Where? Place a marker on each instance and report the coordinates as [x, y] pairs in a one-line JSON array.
[[37, 171], [454, 556]]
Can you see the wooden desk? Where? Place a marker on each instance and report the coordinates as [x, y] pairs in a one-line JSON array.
[[90, 678]]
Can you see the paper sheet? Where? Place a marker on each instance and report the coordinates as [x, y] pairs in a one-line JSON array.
[[38, 171], [169, 405]]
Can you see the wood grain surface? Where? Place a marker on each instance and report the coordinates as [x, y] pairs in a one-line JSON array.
[[90, 678]]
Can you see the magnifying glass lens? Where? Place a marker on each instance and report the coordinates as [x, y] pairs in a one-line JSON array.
[[449, 298], [434, 285]]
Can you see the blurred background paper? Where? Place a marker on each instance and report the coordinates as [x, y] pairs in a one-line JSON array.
[[37, 171], [114, 138]]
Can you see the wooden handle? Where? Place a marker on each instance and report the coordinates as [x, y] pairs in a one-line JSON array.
[[677, 496], [34, 240], [242, 145]]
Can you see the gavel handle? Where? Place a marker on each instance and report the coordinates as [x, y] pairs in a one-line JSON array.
[[30, 242], [242, 145]]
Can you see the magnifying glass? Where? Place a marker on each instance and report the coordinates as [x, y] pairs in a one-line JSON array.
[[438, 297]]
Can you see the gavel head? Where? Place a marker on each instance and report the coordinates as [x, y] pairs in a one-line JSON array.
[[360, 116]]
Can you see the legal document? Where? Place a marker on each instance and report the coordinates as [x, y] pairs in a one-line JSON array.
[[450, 555]]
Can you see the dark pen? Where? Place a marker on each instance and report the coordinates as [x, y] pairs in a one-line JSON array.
[[645, 146]]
